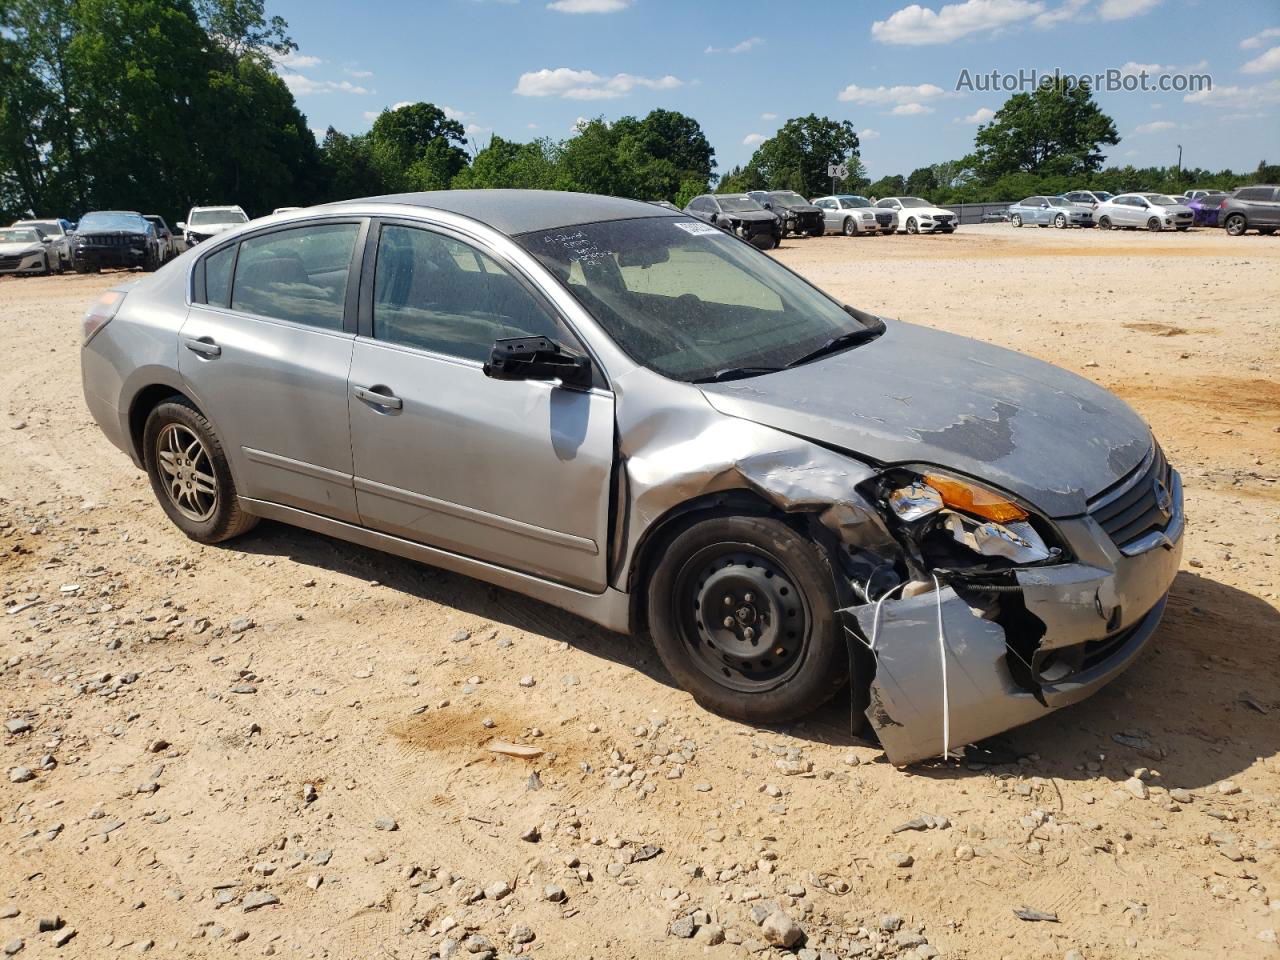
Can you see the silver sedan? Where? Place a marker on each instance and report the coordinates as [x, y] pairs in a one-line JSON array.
[[853, 215], [630, 414]]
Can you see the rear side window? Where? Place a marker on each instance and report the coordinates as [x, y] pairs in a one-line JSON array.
[[217, 276], [439, 294], [298, 275], [1254, 193]]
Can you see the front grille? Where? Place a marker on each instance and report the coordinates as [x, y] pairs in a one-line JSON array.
[[110, 239], [884, 219], [1139, 503], [943, 220]]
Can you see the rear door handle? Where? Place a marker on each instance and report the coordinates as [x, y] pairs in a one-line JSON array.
[[379, 396], [203, 346]]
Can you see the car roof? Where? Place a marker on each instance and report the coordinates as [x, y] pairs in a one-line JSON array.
[[222, 206], [522, 211]]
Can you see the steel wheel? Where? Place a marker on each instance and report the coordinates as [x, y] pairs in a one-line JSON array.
[[746, 624], [188, 475]]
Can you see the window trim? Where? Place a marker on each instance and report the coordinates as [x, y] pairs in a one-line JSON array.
[[368, 268]]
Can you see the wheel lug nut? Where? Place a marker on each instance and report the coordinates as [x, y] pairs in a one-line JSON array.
[[749, 633], [728, 600], [728, 621], [749, 598]]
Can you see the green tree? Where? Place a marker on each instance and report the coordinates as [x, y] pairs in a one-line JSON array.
[[797, 156], [1056, 130], [416, 147], [510, 165], [923, 182], [893, 186]]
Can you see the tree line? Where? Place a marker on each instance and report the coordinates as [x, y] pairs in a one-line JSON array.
[[156, 105]]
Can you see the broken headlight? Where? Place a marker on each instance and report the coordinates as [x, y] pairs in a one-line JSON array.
[[941, 512]]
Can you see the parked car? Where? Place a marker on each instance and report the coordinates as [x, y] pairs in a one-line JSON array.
[[1093, 198], [171, 244], [853, 216], [665, 204], [205, 222], [1050, 212], [1255, 207], [284, 210], [59, 233], [797, 214], [1205, 207], [1197, 194], [738, 214], [27, 250], [115, 238], [920, 216], [709, 448], [1148, 211]]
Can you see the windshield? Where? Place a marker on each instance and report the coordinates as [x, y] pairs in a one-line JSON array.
[[206, 217], [687, 300], [914, 202], [850, 203], [789, 199], [25, 235], [1160, 200], [112, 221], [738, 204]]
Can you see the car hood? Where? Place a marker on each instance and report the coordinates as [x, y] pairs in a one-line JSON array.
[[751, 216], [18, 249], [801, 208], [209, 229], [918, 395], [1174, 208]]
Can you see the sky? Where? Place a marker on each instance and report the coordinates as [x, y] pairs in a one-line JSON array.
[[914, 79]]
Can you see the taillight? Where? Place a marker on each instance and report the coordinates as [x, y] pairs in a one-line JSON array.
[[100, 313], [1223, 203]]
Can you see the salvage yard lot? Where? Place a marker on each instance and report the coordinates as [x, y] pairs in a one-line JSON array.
[[294, 716]]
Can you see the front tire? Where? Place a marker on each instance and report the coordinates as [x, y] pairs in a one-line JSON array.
[[1153, 225], [912, 226], [190, 475], [1016, 220], [742, 613], [849, 228], [1060, 221], [1236, 225]]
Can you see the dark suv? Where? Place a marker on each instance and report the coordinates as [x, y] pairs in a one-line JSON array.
[[115, 238], [798, 215], [1251, 208], [737, 213]]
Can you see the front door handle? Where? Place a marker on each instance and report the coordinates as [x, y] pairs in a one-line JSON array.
[[379, 396], [203, 346]]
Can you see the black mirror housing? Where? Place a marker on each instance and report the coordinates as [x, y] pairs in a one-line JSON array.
[[537, 358]]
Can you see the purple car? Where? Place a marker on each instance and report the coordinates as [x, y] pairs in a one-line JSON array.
[[1205, 206]]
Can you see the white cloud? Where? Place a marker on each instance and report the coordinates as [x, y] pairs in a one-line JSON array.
[[1131, 69], [868, 134], [749, 44], [898, 94], [751, 139], [981, 115], [910, 110], [918, 26], [589, 6], [1258, 39], [301, 86], [768, 116], [358, 74], [453, 114], [294, 60], [1264, 64], [1068, 10], [531, 126], [586, 85], [1236, 96], [1124, 9], [400, 103], [474, 128], [1155, 126]]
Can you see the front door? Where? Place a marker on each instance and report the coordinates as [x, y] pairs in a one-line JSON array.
[[266, 355], [515, 473]]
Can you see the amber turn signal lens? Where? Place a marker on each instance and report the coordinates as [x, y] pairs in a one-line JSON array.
[[974, 500]]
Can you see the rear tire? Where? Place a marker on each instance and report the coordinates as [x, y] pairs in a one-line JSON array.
[[775, 651], [190, 475], [1104, 223]]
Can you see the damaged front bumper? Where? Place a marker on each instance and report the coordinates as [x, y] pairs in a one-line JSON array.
[[1049, 638]]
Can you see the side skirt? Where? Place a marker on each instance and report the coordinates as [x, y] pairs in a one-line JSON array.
[[611, 609]]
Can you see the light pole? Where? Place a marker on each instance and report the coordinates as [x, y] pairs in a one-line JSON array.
[[1179, 164]]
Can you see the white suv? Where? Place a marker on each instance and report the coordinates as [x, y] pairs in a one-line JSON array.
[[205, 222]]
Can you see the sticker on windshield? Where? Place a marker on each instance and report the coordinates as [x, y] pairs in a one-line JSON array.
[[696, 229]]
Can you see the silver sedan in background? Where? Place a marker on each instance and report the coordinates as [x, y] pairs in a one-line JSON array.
[[853, 215], [1050, 212], [625, 411], [1144, 211]]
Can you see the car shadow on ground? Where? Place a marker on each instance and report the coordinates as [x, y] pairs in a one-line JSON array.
[[1198, 707]]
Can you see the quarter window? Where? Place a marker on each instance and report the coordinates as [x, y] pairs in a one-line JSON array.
[[298, 275], [439, 294], [217, 275]]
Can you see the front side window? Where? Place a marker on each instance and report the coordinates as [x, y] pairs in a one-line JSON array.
[[439, 294], [298, 275], [854, 203], [685, 299]]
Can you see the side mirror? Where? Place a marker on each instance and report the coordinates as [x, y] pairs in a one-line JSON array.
[[715, 217], [182, 225], [44, 239], [537, 358]]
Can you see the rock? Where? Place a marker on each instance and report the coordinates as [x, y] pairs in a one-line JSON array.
[[460, 636], [711, 934], [1074, 955], [478, 943], [387, 824], [309, 792], [684, 928], [17, 726], [314, 881], [901, 860], [527, 681], [8, 912], [47, 924], [14, 946], [241, 624], [781, 931], [64, 937], [1137, 787], [964, 852], [520, 933], [244, 688], [497, 890], [926, 951], [1228, 787], [554, 893], [702, 787], [890, 922], [531, 835], [20, 775], [808, 953], [264, 869], [158, 746], [794, 768], [1178, 795], [258, 899], [1266, 936]]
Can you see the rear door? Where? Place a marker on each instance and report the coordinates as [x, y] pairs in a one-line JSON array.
[[515, 473], [265, 352]]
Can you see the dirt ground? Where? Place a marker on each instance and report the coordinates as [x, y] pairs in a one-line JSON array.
[[279, 746]]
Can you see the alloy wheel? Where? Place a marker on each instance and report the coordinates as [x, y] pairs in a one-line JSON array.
[[1016, 220], [1235, 225], [187, 472]]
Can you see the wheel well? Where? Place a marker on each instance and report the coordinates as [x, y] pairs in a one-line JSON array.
[[146, 400]]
